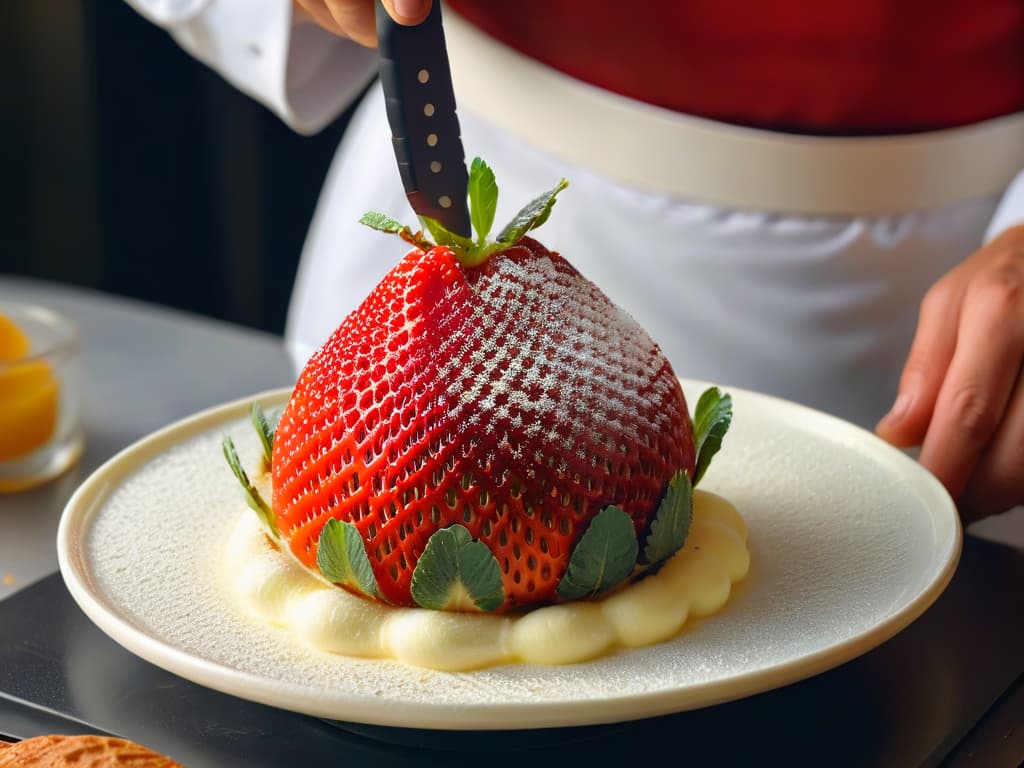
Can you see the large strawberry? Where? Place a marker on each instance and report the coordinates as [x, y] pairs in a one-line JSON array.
[[487, 430]]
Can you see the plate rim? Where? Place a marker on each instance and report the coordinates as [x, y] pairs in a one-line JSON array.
[[88, 499]]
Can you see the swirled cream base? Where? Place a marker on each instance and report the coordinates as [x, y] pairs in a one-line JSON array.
[[696, 582]]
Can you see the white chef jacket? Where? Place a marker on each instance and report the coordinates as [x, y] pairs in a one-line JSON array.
[[819, 309]]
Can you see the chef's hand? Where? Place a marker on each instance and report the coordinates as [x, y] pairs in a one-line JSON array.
[[961, 395], [354, 19]]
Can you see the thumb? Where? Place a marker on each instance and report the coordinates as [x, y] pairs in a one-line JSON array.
[[408, 12]]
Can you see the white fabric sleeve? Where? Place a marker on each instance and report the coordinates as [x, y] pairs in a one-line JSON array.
[[304, 74], [1010, 211]]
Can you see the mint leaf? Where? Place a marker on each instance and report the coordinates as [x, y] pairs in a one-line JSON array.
[[274, 417], [483, 198], [532, 216], [385, 223], [604, 556], [443, 236], [711, 421], [252, 496], [341, 557], [671, 522], [382, 222], [264, 430], [453, 567]]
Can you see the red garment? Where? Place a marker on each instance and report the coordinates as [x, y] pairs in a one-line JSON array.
[[854, 67]]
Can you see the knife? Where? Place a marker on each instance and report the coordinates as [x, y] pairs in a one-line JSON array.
[[417, 83]]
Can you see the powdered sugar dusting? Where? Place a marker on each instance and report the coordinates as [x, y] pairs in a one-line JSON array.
[[589, 363]]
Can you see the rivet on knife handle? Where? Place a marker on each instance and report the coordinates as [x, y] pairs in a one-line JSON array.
[[416, 79]]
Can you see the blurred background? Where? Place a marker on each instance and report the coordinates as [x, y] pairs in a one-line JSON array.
[[131, 168]]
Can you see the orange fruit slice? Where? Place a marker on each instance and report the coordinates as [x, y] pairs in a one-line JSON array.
[[29, 396], [14, 344]]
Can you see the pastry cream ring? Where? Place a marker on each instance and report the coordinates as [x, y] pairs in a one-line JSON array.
[[697, 581]]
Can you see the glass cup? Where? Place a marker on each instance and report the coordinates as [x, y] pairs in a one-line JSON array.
[[40, 387]]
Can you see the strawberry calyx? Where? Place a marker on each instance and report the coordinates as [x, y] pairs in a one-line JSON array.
[[483, 203]]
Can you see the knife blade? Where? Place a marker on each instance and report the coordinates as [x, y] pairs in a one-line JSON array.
[[416, 79]]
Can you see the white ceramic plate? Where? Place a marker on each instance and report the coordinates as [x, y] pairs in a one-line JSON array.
[[850, 540]]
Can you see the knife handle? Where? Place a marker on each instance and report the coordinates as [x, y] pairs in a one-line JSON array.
[[416, 79]]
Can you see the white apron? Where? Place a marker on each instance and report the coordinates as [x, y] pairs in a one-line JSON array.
[[816, 309], [789, 265]]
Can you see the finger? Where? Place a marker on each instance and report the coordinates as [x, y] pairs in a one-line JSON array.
[[980, 378], [998, 483], [357, 18], [317, 11], [930, 354], [408, 11]]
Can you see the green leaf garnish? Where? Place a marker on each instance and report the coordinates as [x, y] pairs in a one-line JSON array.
[[482, 191], [711, 421], [671, 522], [384, 223], [604, 556], [252, 496], [342, 559], [264, 430], [456, 572], [531, 217], [483, 198], [443, 236]]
